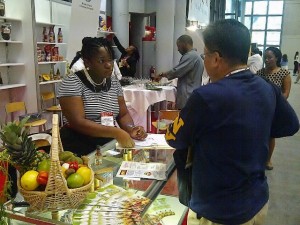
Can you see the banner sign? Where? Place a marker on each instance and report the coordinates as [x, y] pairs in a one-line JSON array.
[[199, 11], [84, 23]]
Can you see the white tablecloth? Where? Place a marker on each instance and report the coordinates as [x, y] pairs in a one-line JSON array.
[[140, 98]]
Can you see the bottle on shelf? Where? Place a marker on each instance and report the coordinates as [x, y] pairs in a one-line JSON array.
[[45, 35], [1, 81], [48, 57], [152, 72], [57, 75], [2, 8], [59, 36], [51, 74], [98, 156], [51, 35]]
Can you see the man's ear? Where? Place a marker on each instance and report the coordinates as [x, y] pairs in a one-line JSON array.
[[216, 58]]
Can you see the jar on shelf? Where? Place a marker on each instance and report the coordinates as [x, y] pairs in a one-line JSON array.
[[5, 31], [39, 54], [2, 8]]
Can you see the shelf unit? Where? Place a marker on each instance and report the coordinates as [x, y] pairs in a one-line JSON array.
[[12, 71], [5, 18], [51, 62], [102, 33], [44, 67], [11, 42], [50, 82], [11, 64], [50, 43], [49, 24], [10, 86]]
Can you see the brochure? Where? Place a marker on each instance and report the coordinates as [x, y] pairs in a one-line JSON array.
[[155, 171], [152, 141]]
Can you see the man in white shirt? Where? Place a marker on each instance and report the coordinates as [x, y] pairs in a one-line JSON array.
[[255, 61]]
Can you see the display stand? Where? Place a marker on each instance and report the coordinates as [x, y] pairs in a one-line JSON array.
[[147, 188], [8, 61]]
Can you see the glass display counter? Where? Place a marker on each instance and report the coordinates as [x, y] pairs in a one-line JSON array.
[[164, 205]]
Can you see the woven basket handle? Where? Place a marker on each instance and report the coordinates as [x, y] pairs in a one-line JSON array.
[[55, 138]]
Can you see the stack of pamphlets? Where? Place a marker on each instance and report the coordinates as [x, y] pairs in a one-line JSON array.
[[111, 206]]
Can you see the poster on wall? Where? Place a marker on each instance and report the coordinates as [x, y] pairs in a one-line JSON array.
[[84, 23], [199, 11]]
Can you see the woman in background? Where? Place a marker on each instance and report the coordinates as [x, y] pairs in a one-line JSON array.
[[279, 76], [128, 60], [296, 63], [284, 62]]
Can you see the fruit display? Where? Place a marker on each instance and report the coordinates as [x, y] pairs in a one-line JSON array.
[[48, 182], [74, 171], [34, 165], [20, 147]]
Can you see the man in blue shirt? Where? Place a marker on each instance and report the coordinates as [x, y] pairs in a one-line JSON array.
[[223, 132]]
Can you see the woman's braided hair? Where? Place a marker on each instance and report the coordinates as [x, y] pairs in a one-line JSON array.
[[90, 46]]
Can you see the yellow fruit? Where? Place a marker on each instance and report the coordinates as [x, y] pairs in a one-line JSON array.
[[63, 171], [46, 77], [75, 180], [28, 180], [86, 173]]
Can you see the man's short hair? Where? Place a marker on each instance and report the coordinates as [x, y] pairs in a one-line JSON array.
[[185, 39], [230, 38]]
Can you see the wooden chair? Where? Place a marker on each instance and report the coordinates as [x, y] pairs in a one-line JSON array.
[[42, 140], [164, 118], [13, 107], [48, 98]]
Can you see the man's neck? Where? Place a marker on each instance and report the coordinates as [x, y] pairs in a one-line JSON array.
[[227, 71]]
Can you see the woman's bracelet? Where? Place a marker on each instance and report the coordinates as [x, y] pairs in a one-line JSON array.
[[131, 126]]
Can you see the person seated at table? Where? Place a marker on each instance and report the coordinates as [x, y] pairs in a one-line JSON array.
[[129, 58], [92, 100]]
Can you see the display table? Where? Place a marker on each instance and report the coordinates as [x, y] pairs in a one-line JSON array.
[[164, 190], [140, 100]]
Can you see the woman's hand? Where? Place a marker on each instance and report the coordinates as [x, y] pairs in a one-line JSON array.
[[138, 133], [124, 63], [124, 139]]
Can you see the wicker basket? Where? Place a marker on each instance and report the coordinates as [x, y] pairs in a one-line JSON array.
[[57, 195]]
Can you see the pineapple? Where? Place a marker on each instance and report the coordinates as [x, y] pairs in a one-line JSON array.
[[39, 157], [20, 147]]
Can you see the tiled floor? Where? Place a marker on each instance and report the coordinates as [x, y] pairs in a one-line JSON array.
[[284, 180]]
